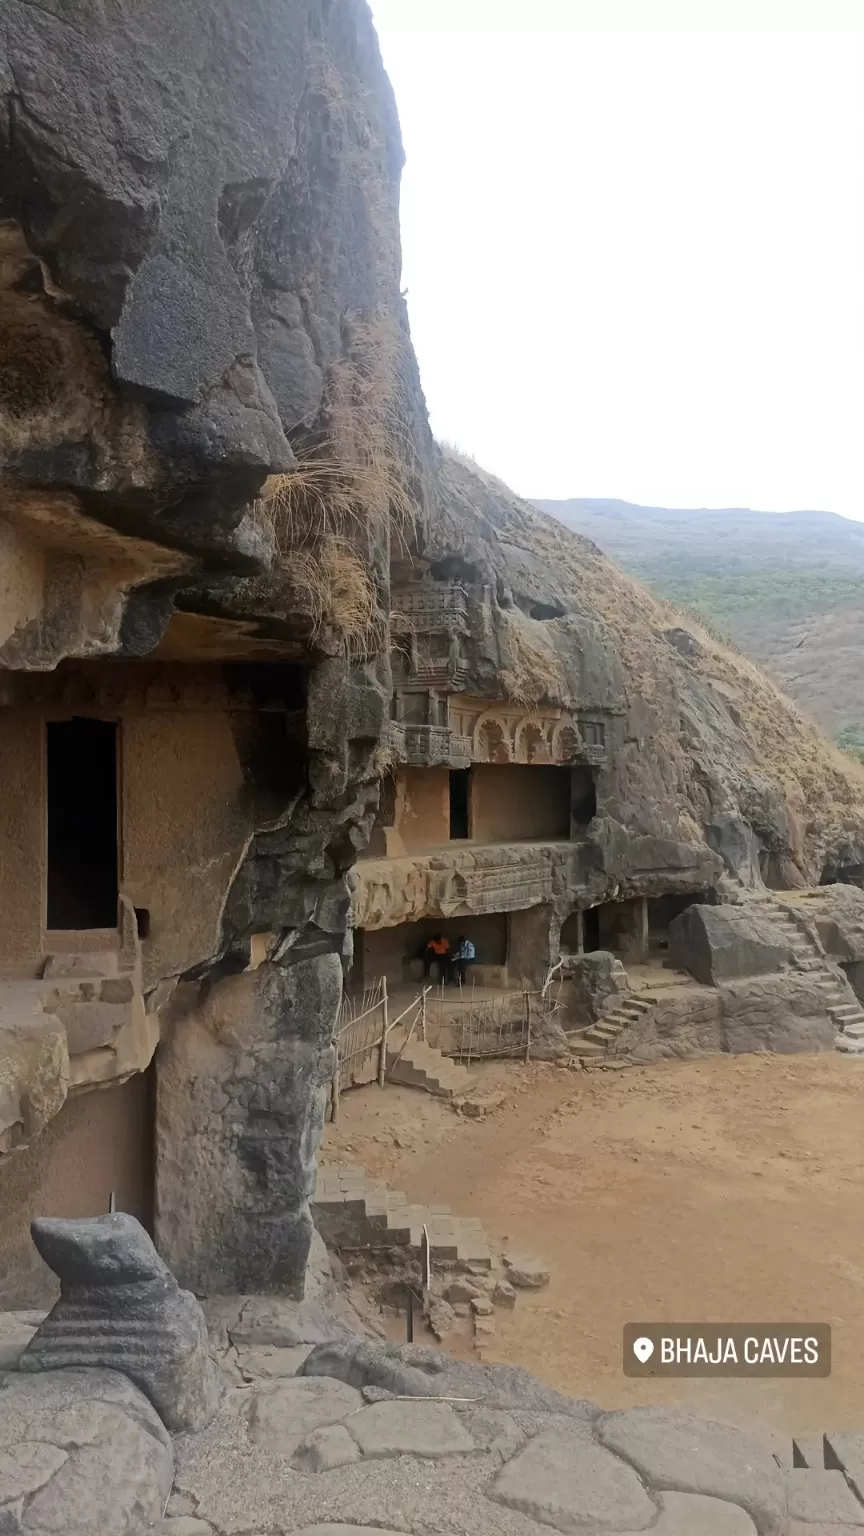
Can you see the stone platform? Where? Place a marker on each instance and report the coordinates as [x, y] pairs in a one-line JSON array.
[[373, 1437]]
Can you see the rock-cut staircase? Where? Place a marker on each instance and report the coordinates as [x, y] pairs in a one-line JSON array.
[[419, 1065], [623, 1013], [841, 1005], [353, 1211]]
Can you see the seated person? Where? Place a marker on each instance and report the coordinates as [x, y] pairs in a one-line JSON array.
[[463, 955], [437, 951]]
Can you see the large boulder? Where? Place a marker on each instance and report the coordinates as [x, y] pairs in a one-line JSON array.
[[776, 1013], [837, 911], [783, 1013], [121, 1309], [80, 1451], [595, 978], [717, 944]]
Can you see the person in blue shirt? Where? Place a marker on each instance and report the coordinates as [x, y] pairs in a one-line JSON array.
[[464, 954]]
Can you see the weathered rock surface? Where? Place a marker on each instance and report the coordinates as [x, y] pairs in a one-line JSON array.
[[121, 1309], [689, 1514], [34, 1071], [414, 1371], [284, 1413], [687, 1455], [80, 1452], [325, 1449], [837, 912], [595, 978], [526, 1272], [783, 1013], [240, 1108], [427, 1430], [16, 1331], [563, 1479], [779, 1013], [816, 1495], [470, 1468], [723, 943]]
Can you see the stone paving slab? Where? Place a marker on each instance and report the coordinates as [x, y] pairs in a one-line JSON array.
[[691, 1514], [562, 1480], [824, 1496], [417, 1428], [284, 1413], [678, 1453]]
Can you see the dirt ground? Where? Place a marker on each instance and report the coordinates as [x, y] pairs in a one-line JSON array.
[[729, 1189]]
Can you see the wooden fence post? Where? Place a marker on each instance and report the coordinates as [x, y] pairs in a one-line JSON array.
[[527, 1028], [382, 1060], [334, 1091]]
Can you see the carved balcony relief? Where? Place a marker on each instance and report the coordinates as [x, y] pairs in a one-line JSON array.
[[504, 733]]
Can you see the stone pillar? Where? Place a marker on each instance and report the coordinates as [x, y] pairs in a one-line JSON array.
[[532, 938], [242, 1084], [634, 947]]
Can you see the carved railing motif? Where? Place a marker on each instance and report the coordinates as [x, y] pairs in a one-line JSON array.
[[428, 745]]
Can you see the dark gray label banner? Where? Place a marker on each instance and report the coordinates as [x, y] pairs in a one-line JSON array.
[[727, 1349]]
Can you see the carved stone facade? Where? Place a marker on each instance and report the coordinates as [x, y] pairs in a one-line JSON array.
[[429, 626], [504, 732], [464, 882]]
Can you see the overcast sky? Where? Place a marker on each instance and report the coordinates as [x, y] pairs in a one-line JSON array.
[[634, 242]]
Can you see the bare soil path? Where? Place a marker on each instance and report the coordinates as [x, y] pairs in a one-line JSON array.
[[729, 1189]]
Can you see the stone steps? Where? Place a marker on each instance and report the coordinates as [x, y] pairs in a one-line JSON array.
[[421, 1066], [352, 1210], [625, 1012], [847, 1017]]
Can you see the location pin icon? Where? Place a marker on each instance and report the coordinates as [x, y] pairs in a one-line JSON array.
[[643, 1349]]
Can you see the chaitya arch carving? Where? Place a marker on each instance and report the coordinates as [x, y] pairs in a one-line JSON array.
[[491, 740], [566, 742], [531, 741]]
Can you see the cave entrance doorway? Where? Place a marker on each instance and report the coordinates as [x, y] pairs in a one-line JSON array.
[[662, 910], [460, 804], [81, 776]]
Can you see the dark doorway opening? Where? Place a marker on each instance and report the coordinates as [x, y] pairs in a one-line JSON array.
[[591, 929], [459, 803], [583, 799], [82, 824]]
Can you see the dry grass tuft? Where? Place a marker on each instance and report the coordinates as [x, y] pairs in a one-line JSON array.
[[340, 595], [533, 671], [352, 489]]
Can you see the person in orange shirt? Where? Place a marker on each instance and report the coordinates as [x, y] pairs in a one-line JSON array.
[[437, 952]]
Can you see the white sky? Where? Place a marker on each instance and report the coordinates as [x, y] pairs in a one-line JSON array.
[[634, 242]]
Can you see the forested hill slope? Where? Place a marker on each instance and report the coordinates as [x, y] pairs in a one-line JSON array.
[[787, 588]]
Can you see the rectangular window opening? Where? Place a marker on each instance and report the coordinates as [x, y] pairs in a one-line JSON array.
[[82, 824], [459, 804]]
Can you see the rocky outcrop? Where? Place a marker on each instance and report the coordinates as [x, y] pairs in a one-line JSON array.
[[121, 1309], [785, 1012], [242, 1088], [596, 980], [708, 769], [210, 419], [837, 914], [717, 944], [80, 1451]]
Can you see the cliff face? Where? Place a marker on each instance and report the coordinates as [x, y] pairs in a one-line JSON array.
[[712, 768], [210, 420], [214, 455]]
